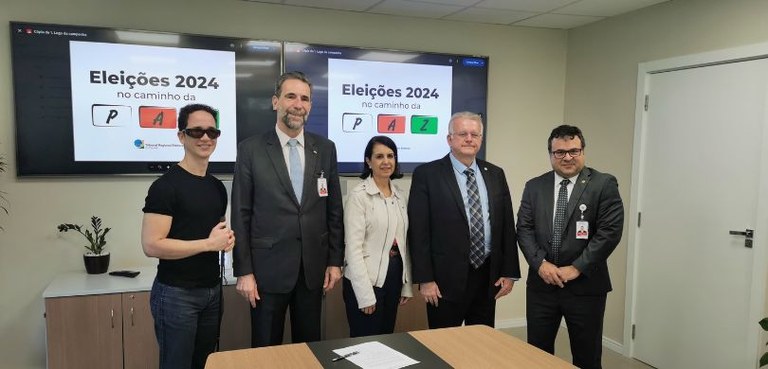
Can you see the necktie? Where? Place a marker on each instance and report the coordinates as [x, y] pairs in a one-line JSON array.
[[295, 171], [476, 223], [559, 226]]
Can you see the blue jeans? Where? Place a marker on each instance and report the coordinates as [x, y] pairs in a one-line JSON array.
[[186, 324]]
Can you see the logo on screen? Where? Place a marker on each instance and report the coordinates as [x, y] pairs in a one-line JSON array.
[[103, 115], [138, 143], [424, 124], [157, 117], [391, 123], [353, 122]]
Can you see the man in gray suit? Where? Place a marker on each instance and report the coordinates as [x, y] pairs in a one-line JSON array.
[[570, 221], [287, 215]]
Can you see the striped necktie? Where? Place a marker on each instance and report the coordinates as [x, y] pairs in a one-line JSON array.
[[476, 223]]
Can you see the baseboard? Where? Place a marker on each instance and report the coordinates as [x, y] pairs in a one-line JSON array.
[[510, 323], [614, 346], [521, 322]]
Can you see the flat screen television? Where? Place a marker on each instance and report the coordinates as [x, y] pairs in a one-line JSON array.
[[409, 96], [99, 100]]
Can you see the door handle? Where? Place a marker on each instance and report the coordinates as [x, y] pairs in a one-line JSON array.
[[748, 235]]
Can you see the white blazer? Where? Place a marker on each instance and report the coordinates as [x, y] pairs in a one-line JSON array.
[[370, 228]]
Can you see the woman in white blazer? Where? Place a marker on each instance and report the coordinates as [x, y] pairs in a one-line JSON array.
[[377, 270]]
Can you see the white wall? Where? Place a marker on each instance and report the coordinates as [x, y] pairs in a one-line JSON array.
[[527, 76], [529, 93], [601, 85]]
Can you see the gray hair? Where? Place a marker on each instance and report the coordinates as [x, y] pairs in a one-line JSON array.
[[466, 115]]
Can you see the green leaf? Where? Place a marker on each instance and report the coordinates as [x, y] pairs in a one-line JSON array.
[[764, 360], [764, 324], [96, 238], [95, 222], [89, 236]]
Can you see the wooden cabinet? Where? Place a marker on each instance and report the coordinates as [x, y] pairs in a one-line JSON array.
[[410, 317], [139, 343], [101, 331], [236, 321], [116, 330]]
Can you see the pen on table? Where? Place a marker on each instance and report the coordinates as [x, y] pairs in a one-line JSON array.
[[342, 357]]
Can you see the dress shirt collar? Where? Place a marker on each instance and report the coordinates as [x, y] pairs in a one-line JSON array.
[[559, 178], [284, 137], [460, 167]]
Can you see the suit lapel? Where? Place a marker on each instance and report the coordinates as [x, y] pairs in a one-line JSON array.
[[490, 187], [578, 189], [548, 200], [450, 178], [275, 154]]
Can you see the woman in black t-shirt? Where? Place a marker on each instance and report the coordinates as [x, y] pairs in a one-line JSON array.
[[183, 227]]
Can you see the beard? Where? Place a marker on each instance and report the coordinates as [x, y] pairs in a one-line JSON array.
[[294, 125]]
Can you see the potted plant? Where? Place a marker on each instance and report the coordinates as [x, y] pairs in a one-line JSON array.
[[96, 259]]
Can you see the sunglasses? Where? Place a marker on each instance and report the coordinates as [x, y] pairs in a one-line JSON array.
[[212, 133]]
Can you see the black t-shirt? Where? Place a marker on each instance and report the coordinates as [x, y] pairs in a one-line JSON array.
[[196, 205]]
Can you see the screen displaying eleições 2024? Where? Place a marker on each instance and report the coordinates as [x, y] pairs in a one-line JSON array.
[[95, 100], [408, 96]]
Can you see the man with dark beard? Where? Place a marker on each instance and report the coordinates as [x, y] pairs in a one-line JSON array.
[[287, 215]]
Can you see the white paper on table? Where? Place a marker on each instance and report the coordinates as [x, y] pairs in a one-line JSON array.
[[376, 355]]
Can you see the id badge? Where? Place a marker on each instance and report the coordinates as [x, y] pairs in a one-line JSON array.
[[582, 230], [322, 187]]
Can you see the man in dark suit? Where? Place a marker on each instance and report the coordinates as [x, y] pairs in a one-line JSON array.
[[570, 220], [290, 247], [461, 233]]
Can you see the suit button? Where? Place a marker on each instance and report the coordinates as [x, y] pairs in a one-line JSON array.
[[298, 238]]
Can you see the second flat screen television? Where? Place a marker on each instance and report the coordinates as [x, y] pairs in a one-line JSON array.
[[408, 96]]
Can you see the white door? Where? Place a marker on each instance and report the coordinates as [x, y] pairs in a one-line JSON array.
[[699, 174]]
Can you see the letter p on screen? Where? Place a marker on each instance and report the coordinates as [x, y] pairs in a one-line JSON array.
[[355, 122], [103, 115]]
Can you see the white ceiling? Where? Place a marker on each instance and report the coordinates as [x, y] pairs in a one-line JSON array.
[[561, 14]]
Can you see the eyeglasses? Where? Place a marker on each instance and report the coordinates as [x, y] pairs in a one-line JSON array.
[[559, 154], [212, 133], [464, 135]]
